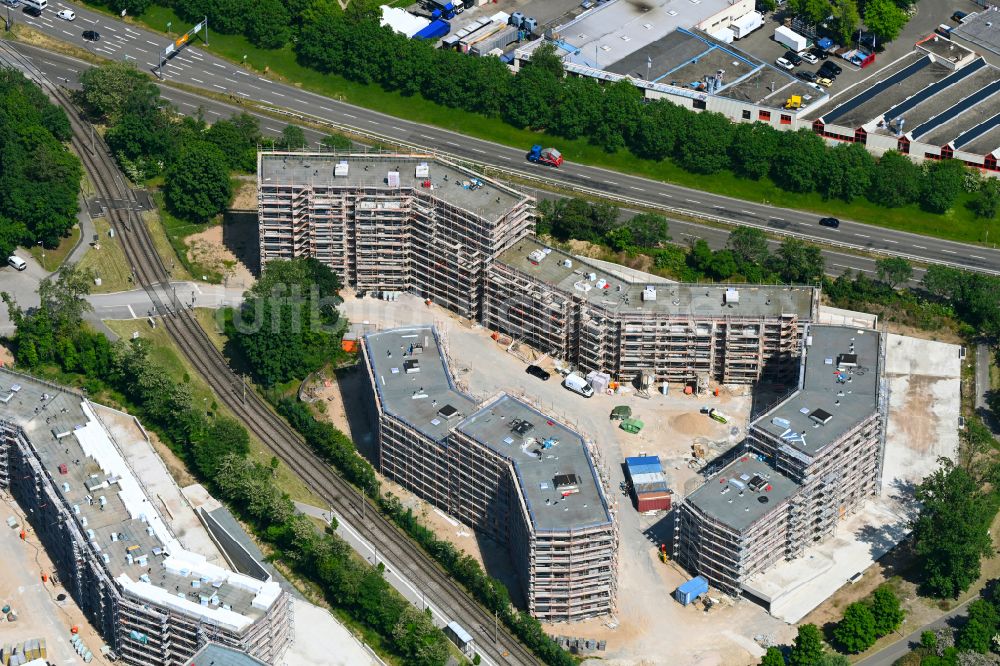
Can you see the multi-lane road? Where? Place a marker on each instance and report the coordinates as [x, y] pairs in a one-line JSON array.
[[195, 67]]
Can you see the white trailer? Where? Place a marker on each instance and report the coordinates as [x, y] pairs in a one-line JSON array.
[[746, 24], [790, 39]]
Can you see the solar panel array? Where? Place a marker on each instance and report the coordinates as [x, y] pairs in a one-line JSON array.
[[934, 89], [875, 90], [957, 109]]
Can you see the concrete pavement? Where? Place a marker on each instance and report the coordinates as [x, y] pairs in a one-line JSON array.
[[195, 67], [138, 304]]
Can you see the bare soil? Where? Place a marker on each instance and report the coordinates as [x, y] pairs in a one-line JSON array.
[[246, 196], [207, 249], [6, 357]]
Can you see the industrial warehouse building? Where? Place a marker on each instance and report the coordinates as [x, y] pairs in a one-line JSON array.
[[391, 223], [805, 464], [155, 603], [501, 467]]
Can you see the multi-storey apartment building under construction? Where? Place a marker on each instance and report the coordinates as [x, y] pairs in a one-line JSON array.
[[390, 223], [501, 467], [806, 463], [155, 603]]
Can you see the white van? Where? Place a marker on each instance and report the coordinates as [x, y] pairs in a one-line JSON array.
[[578, 384], [37, 5], [17, 262]]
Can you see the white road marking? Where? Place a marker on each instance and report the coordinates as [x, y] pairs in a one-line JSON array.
[[611, 182], [889, 240], [272, 129], [950, 251], [976, 256], [197, 80], [692, 201], [779, 219], [278, 93], [130, 310], [746, 212], [219, 64], [919, 247], [863, 235], [240, 92], [636, 188], [347, 115], [476, 150], [864, 270], [188, 104], [218, 86], [232, 80], [450, 143], [326, 109], [151, 43]]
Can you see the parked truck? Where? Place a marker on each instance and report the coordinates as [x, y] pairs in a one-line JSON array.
[[436, 29], [790, 39], [546, 156], [746, 24]]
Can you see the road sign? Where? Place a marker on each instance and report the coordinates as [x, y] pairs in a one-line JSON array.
[[182, 40]]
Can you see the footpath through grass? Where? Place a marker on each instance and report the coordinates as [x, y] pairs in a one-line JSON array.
[[959, 224]]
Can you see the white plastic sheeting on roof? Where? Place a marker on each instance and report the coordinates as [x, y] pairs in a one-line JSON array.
[[402, 21]]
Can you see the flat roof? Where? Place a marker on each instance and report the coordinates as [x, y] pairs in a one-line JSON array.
[[728, 497], [418, 396], [547, 454], [118, 518], [984, 144], [611, 31], [982, 29], [840, 384], [672, 298], [214, 654], [448, 182]]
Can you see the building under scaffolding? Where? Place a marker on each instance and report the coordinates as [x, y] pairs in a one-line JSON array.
[[625, 324], [806, 464], [154, 602], [501, 467], [389, 223]]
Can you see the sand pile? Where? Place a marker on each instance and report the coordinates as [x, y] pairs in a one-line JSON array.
[[694, 424]]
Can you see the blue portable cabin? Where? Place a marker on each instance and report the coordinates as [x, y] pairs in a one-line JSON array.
[[435, 30], [691, 590]]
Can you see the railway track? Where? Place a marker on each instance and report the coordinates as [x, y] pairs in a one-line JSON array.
[[395, 547]]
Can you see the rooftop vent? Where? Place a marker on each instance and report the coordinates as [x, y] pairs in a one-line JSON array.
[[536, 256], [567, 263], [448, 412], [564, 482], [423, 170], [649, 293], [757, 482], [732, 296], [411, 366], [340, 169], [521, 427], [392, 180], [821, 416], [847, 360]]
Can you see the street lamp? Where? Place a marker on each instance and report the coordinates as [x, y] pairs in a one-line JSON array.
[[244, 59], [169, 23], [43, 254]]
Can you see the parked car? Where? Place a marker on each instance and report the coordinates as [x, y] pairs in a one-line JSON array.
[[958, 17], [824, 81], [806, 76], [16, 262], [92, 35], [830, 69], [784, 64], [808, 57], [831, 222], [12, 3], [944, 30], [66, 14], [536, 371], [819, 53], [793, 57]]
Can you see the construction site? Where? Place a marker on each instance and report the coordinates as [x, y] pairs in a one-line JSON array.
[[499, 466], [112, 550]]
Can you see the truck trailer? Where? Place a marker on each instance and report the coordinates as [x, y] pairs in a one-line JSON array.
[[790, 39]]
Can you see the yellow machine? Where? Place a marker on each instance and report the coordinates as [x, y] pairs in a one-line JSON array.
[[794, 102]]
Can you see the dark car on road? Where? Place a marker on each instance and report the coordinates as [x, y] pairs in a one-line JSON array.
[[819, 53], [92, 35], [831, 222], [536, 371], [958, 17], [830, 69], [793, 57], [806, 76]]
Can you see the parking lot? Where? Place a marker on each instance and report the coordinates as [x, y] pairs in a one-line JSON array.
[[546, 12]]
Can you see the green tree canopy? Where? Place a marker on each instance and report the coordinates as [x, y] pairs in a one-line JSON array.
[[293, 138], [884, 18], [648, 229], [951, 532], [808, 647], [987, 201], [894, 271], [942, 183], [773, 657], [108, 88], [856, 631], [197, 184], [752, 148], [886, 611], [895, 180], [797, 262], [798, 161]]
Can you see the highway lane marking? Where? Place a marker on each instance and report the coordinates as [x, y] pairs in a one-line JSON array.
[[715, 207], [109, 28], [272, 129], [240, 92], [611, 182], [746, 212], [450, 143], [779, 219], [188, 104], [347, 115], [976, 256], [865, 270], [504, 157], [863, 235], [326, 109], [67, 32], [151, 43], [232, 80], [278, 93], [889, 240], [949, 251], [636, 188], [476, 150], [919, 247], [150, 64], [692, 201], [197, 80], [217, 64], [218, 86]]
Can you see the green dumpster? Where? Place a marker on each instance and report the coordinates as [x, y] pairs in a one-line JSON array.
[[632, 425], [621, 412]]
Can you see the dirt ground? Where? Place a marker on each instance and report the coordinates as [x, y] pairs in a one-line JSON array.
[[246, 196], [207, 249], [6, 357]]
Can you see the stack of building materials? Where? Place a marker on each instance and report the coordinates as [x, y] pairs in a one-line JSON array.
[[648, 483], [30, 652], [599, 381]]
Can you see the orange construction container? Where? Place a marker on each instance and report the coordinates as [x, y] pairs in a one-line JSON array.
[[74, 629], [24, 535], [688, 390], [45, 578], [349, 346]]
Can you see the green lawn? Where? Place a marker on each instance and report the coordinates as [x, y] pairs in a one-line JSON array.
[[107, 261], [177, 231], [51, 260], [959, 224]]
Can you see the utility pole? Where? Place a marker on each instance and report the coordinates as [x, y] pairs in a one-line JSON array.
[[496, 628]]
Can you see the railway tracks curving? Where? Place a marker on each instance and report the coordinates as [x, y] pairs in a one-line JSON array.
[[395, 547]]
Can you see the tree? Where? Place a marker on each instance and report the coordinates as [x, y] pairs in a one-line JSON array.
[[704, 143], [886, 611], [895, 180], [894, 271], [847, 172], [798, 262], [950, 533], [648, 230], [578, 112], [845, 20], [293, 138], [976, 635], [773, 657], [856, 631], [223, 437], [107, 89], [808, 647], [812, 11], [798, 161], [752, 148], [942, 183], [885, 19], [749, 246], [987, 201], [337, 142], [268, 24], [197, 185], [237, 138], [660, 126], [132, 7], [621, 109]]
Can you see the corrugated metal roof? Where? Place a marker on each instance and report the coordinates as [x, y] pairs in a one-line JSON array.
[[643, 460]]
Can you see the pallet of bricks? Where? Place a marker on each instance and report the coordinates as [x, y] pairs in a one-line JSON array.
[[20, 655]]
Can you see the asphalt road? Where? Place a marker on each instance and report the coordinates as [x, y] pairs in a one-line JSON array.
[[67, 70], [195, 67]]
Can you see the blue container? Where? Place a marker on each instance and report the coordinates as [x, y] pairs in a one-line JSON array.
[[691, 590], [435, 30]]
